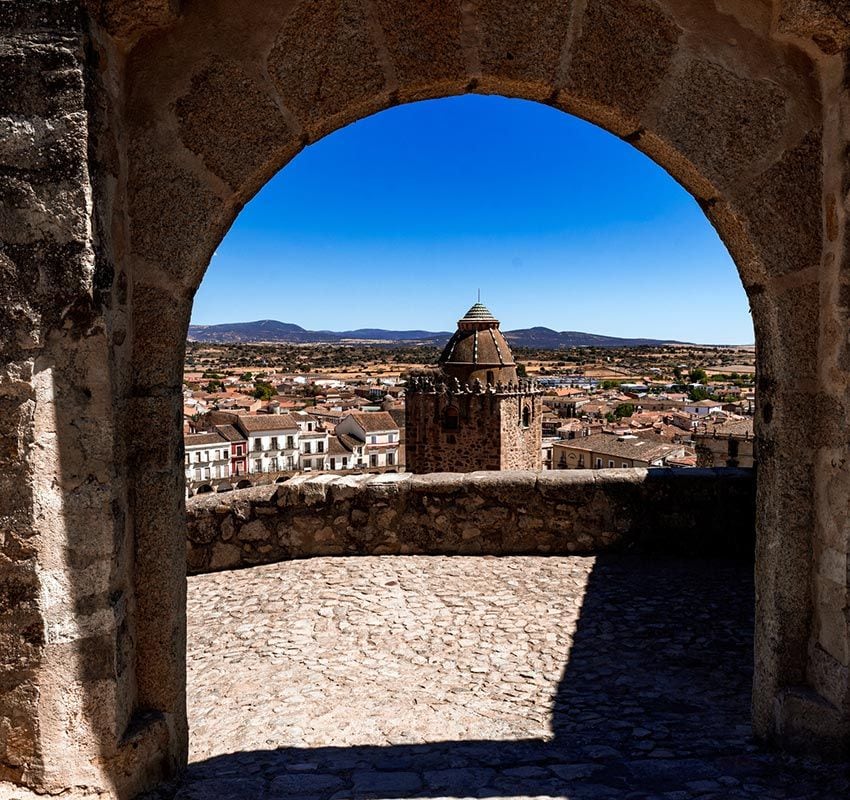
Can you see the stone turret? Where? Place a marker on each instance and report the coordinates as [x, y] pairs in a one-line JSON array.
[[476, 414]]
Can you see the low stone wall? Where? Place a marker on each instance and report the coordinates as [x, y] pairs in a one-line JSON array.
[[688, 511]]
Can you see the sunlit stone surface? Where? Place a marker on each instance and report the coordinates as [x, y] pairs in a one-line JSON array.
[[479, 677]]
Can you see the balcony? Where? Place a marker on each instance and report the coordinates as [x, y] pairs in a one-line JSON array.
[[620, 663]]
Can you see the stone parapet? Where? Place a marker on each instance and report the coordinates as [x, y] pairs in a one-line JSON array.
[[696, 511], [428, 384]]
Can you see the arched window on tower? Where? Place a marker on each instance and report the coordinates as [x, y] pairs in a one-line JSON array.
[[451, 418], [491, 378], [526, 417]]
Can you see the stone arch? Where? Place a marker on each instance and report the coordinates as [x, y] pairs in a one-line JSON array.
[[175, 114], [728, 111]]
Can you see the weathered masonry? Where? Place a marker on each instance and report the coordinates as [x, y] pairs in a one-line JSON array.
[[133, 131], [695, 512], [474, 412]]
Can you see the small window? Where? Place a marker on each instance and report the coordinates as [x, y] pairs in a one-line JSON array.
[[526, 417], [598, 463], [345, 463], [307, 447], [451, 418], [320, 447], [391, 458], [491, 378], [611, 464], [625, 465], [373, 460]]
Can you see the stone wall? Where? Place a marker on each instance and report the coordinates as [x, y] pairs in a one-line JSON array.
[[489, 434], [703, 512], [521, 444]]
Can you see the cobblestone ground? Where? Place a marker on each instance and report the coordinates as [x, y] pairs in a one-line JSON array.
[[394, 677]]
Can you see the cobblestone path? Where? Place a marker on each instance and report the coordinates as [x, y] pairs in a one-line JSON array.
[[395, 677]]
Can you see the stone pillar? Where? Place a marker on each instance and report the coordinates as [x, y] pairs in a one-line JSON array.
[[70, 721], [802, 682]]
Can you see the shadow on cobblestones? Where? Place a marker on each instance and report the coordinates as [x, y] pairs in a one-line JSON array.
[[653, 703]]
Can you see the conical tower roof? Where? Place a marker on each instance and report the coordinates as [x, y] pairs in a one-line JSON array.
[[478, 350], [478, 313]]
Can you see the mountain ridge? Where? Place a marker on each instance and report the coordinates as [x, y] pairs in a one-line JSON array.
[[270, 330]]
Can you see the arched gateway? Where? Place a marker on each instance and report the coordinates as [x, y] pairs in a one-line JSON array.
[[135, 130]]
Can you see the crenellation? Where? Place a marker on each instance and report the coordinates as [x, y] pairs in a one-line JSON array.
[[463, 423]]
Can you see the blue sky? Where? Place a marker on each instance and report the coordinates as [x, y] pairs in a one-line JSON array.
[[397, 220]]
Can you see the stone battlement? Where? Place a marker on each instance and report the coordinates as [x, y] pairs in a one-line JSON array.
[[429, 385], [695, 511]]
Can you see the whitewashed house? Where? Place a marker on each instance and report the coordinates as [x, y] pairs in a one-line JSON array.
[[207, 457], [377, 434], [313, 442], [273, 442]]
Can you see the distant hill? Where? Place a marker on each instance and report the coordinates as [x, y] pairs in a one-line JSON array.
[[547, 338], [270, 330]]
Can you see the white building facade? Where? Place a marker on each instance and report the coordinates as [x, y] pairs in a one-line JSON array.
[[378, 435], [206, 457], [273, 442]]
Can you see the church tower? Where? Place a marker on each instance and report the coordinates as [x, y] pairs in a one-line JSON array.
[[475, 413]]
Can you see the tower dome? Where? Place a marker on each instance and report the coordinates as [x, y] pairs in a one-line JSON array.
[[478, 350]]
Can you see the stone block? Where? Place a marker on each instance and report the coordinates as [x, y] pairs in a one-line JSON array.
[[499, 487], [521, 45], [41, 77], [723, 122], [831, 623], [825, 22], [252, 139], [797, 330], [176, 219], [254, 531], [425, 43], [437, 483], [782, 209], [55, 16], [804, 421], [159, 343], [326, 65], [130, 19], [225, 556], [614, 85], [806, 723]]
